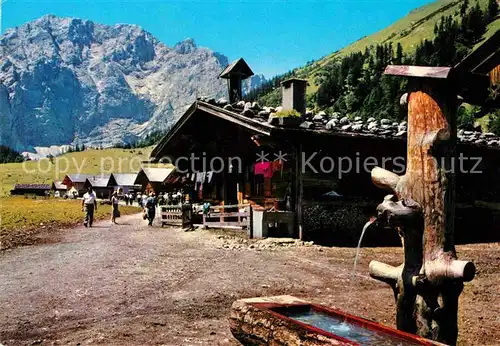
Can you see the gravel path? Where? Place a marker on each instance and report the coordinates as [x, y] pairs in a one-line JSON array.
[[133, 285]]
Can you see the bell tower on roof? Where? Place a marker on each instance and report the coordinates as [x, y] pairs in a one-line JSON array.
[[235, 73]]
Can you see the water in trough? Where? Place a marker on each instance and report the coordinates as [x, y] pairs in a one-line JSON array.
[[359, 333], [341, 326], [348, 330]]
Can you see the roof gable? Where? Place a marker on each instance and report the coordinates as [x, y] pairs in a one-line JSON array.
[[156, 174], [484, 58], [237, 68], [100, 181], [200, 106], [76, 178], [58, 185], [125, 179]]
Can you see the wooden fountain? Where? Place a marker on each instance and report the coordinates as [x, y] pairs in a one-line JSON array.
[[421, 207]]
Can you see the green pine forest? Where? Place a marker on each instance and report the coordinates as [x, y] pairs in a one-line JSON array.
[[351, 81]]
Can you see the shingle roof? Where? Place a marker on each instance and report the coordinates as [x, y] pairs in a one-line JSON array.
[[157, 175], [32, 187], [289, 81], [99, 180], [79, 178], [125, 179]]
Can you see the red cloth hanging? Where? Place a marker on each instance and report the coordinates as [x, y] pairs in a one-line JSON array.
[[264, 168]]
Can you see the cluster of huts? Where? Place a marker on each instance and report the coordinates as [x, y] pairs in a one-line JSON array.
[[321, 201], [148, 179], [325, 199]]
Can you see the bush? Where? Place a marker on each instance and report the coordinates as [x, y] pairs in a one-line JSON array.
[[465, 118], [291, 113], [9, 155], [494, 125]]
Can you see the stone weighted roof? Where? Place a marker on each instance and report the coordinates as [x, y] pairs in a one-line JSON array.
[[337, 123], [32, 187]]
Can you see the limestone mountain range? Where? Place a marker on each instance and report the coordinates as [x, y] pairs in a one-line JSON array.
[[67, 79]]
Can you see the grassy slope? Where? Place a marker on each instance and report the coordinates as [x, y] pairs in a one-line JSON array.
[[87, 162], [409, 31], [23, 218]]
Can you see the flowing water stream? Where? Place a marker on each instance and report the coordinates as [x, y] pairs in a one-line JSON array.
[[353, 274]]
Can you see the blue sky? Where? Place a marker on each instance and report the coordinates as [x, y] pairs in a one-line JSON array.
[[273, 36]]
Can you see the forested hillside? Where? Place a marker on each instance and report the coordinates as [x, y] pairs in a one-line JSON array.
[[351, 81]]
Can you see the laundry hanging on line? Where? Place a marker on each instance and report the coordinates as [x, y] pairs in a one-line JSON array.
[[210, 176], [276, 166]]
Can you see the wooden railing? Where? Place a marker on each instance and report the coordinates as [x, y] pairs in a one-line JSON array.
[[229, 216], [179, 216]]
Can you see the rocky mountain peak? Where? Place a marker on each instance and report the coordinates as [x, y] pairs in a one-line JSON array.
[[185, 47], [62, 78]]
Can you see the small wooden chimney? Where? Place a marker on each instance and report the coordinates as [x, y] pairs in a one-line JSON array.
[[236, 72], [294, 94]]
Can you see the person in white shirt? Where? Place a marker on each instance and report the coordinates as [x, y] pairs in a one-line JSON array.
[[114, 202], [89, 202]]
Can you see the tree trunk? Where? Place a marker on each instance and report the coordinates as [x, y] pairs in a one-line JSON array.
[[423, 208]]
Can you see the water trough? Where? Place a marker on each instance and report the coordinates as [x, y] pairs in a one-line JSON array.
[[286, 320]]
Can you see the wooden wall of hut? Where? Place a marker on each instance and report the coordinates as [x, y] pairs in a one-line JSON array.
[[338, 220]]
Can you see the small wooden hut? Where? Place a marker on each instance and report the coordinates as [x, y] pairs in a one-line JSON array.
[[151, 179], [30, 189], [103, 185], [76, 182], [126, 182]]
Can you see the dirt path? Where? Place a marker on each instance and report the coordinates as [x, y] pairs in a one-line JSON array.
[[134, 285]]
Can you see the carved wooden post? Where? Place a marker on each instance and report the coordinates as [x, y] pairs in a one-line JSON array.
[[429, 282]]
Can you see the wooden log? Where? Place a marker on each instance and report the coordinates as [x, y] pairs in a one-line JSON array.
[[385, 179], [440, 270], [385, 272]]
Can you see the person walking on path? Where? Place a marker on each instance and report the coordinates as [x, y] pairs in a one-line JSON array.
[[115, 212], [150, 205], [89, 202]]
